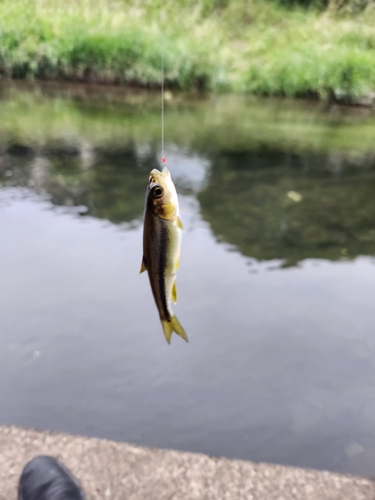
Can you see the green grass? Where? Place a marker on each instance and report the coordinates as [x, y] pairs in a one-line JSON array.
[[256, 46]]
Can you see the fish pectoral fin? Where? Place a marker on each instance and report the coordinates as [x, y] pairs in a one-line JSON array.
[[174, 292], [143, 266], [179, 223], [173, 325]]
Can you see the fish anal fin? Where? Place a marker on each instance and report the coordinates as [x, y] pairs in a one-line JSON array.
[[143, 266], [174, 292], [173, 325]]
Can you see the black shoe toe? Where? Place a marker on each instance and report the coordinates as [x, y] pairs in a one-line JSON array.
[[45, 478]]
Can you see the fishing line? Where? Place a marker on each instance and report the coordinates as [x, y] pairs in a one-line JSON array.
[[162, 106], [163, 159]]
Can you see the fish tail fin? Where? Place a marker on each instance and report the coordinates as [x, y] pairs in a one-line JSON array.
[[173, 325]]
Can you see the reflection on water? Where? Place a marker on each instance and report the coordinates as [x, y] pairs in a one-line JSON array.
[[267, 203], [263, 184], [111, 187], [276, 205]]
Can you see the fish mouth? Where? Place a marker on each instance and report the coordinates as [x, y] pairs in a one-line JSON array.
[[156, 175]]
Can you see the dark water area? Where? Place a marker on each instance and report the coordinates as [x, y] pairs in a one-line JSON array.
[[276, 282]]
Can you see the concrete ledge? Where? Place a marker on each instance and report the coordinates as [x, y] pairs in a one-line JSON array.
[[118, 471]]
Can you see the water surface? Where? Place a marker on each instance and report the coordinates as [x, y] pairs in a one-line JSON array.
[[276, 282]]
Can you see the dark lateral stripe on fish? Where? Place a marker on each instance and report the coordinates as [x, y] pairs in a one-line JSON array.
[[163, 239]]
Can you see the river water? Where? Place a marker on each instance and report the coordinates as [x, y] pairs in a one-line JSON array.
[[276, 283]]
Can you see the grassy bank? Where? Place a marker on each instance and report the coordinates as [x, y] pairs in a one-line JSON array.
[[254, 46]]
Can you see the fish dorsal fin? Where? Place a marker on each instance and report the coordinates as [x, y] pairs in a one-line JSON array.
[[143, 266], [174, 292], [179, 223]]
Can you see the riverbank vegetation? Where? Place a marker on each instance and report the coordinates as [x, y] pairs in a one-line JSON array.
[[313, 48]]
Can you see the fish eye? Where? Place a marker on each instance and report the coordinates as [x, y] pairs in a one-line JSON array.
[[157, 192]]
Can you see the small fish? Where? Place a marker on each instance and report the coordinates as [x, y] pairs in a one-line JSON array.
[[161, 247]]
